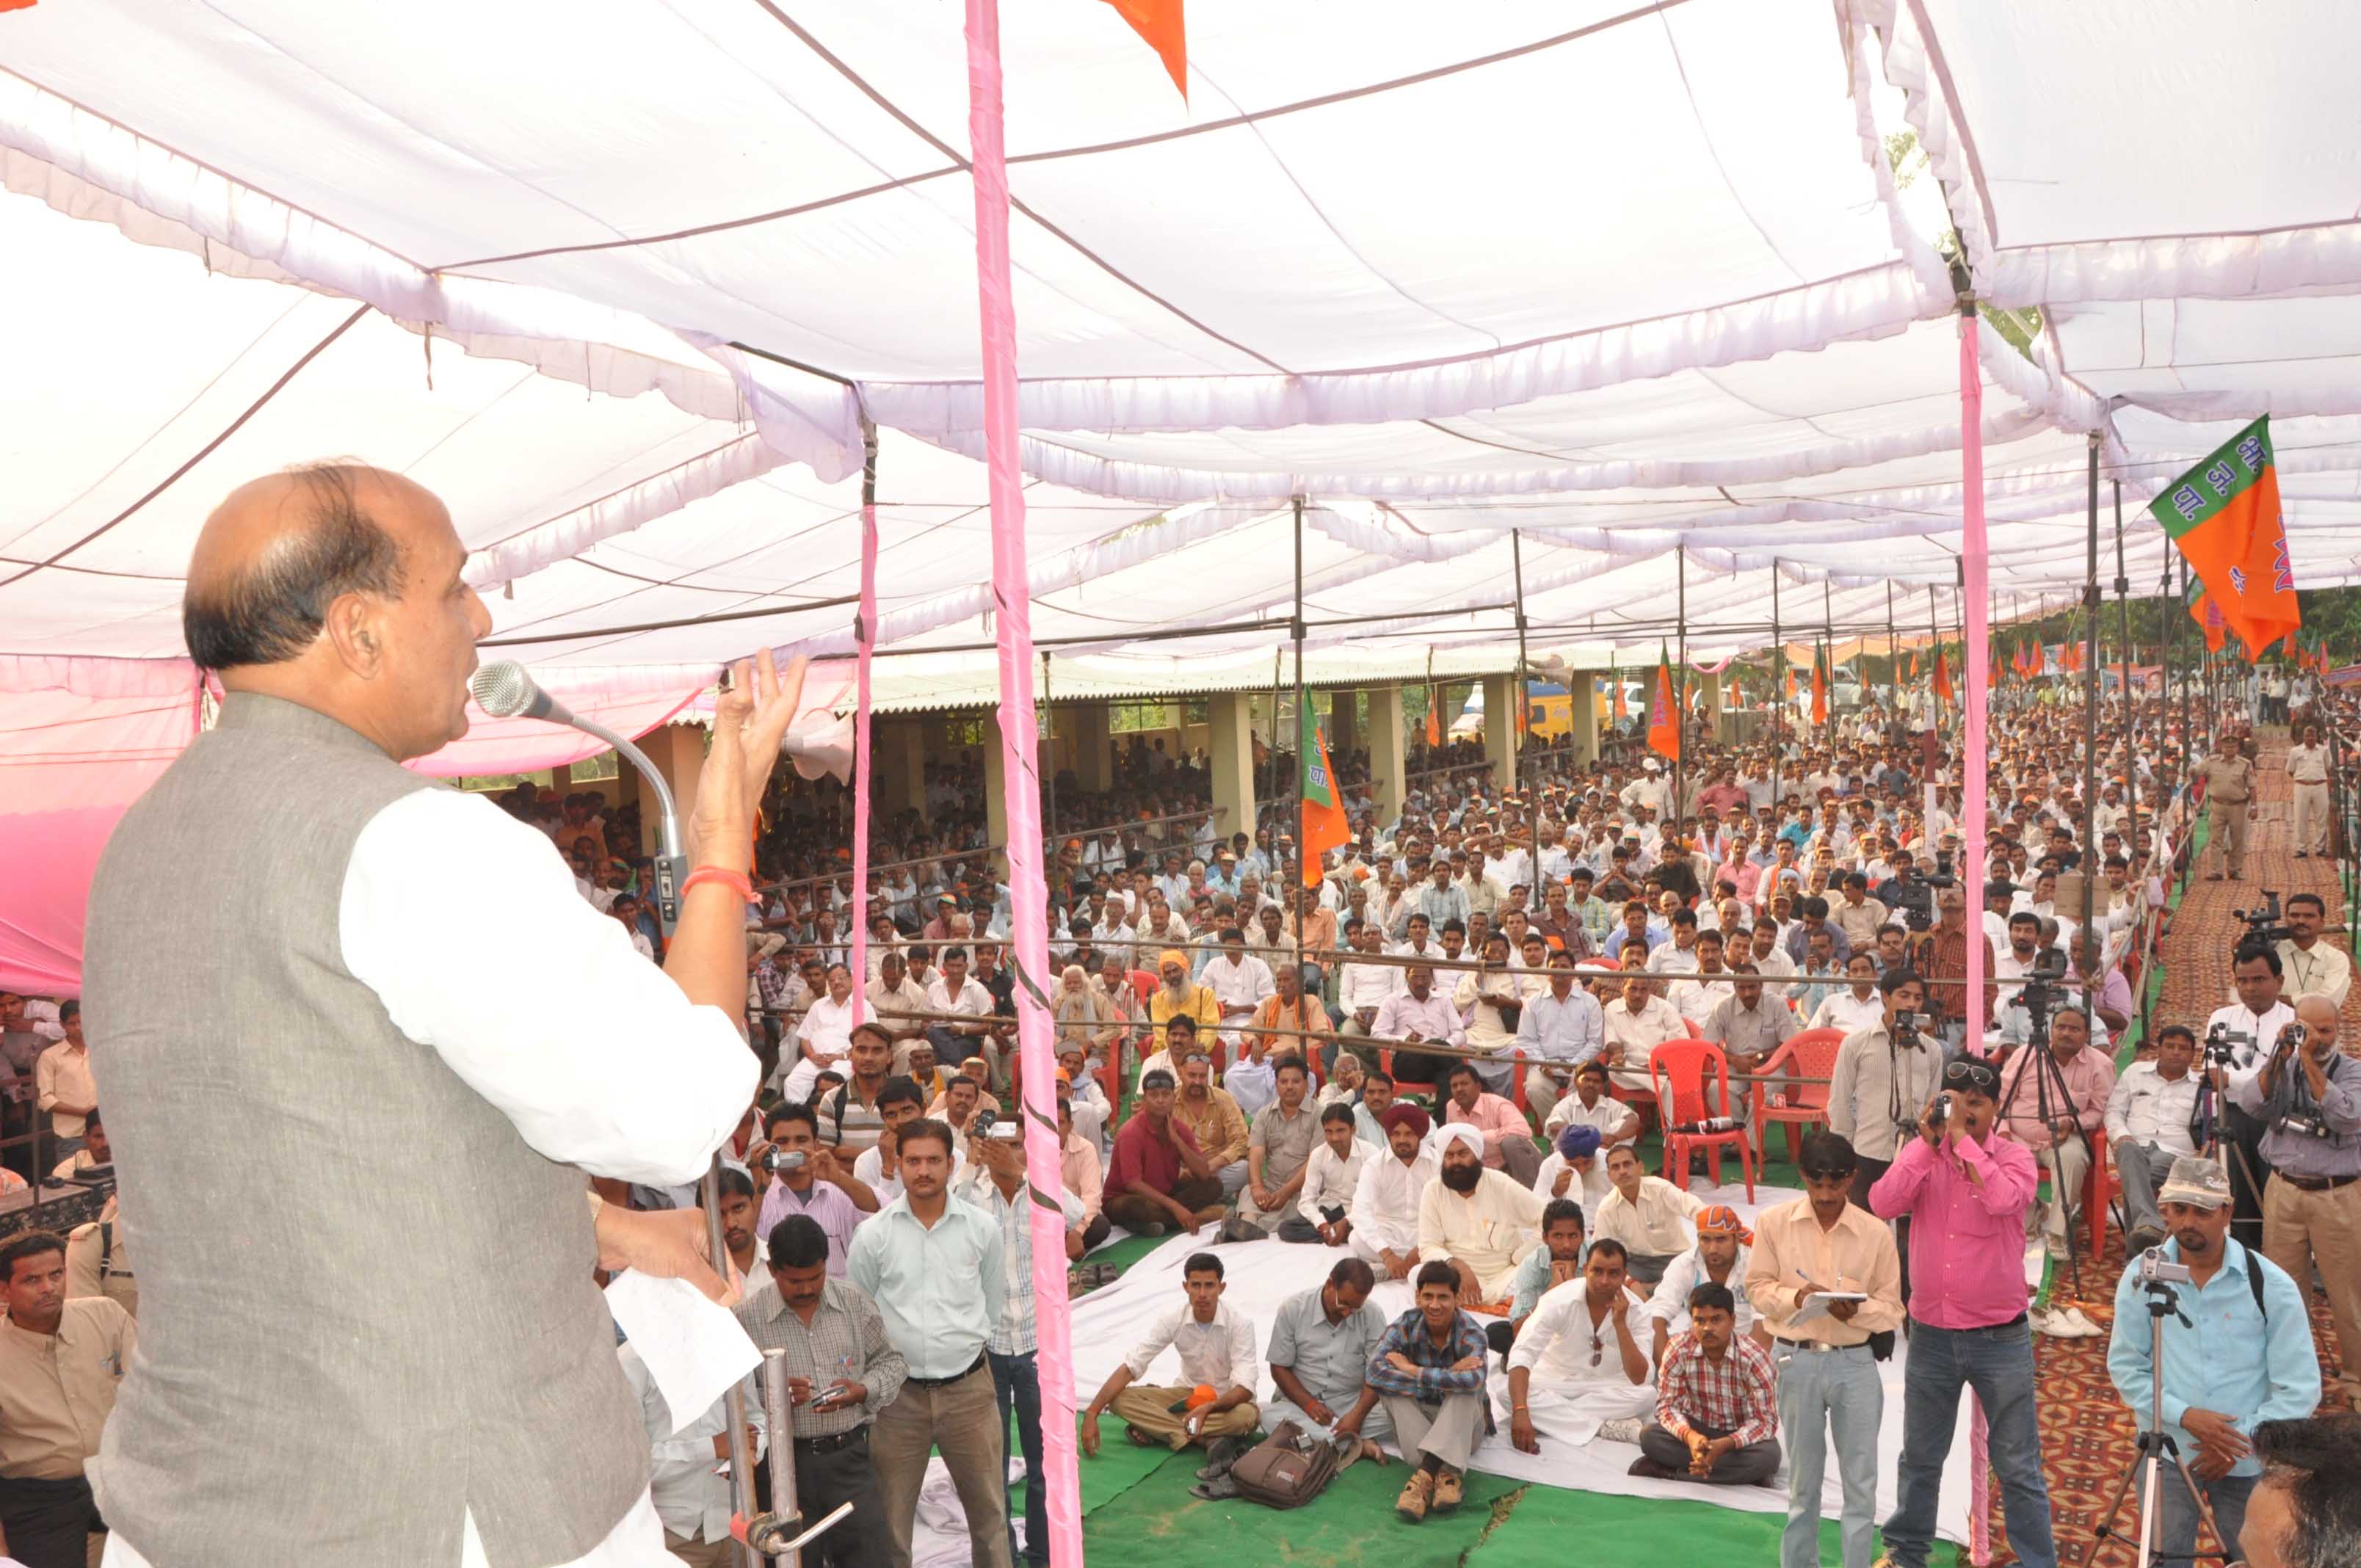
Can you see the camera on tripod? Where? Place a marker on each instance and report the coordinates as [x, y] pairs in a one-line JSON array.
[[2221, 1048], [1915, 899], [2156, 1270], [2266, 928]]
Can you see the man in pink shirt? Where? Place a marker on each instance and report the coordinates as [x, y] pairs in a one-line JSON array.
[[1507, 1136], [2061, 1141], [1966, 1192]]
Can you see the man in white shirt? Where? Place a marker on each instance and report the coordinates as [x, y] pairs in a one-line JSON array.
[[1419, 1014], [1590, 1105], [953, 990], [1856, 1007], [1323, 1208], [1385, 1211], [1574, 1169], [1216, 1347], [2149, 1116], [1580, 1362], [2311, 965], [1647, 1214], [2306, 766], [1239, 981], [2251, 1025], [1362, 988], [1635, 1023], [688, 1469]]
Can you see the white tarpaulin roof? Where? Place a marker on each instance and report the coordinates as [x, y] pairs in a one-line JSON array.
[[619, 283]]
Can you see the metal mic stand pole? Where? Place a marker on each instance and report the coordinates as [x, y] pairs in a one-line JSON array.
[[671, 869]]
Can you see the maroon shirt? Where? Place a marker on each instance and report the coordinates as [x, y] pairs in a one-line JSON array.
[[1141, 1156]]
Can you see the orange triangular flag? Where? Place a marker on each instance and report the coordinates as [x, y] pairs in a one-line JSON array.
[[1943, 679], [1663, 717], [1160, 24], [1434, 720]]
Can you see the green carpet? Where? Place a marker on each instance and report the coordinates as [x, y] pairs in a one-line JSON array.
[[1546, 1527], [1351, 1523]]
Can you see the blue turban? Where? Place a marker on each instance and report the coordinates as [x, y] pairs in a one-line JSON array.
[[1578, 1142]]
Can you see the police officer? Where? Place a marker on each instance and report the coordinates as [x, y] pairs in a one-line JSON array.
[[2229, 778]]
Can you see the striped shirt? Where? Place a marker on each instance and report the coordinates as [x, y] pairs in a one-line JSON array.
[[1738, 1395], [846, 1338], [1013, 1330]]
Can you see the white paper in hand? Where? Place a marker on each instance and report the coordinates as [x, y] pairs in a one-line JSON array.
[[1816, 1304], [692, 1346]]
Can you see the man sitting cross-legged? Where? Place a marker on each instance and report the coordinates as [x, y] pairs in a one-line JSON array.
[[1507, 1136], [1483, 1221], [1217, 1352], [1158, 1179], [1716, 1402], [1428, 1374], [1578, 1370], [1320, 1342], [1323, 1208], [1385, 1213], [1648, 1214], [1573, 1169], [1718, 1258]]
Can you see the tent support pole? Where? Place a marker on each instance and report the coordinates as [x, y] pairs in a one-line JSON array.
[[1893, 658], [1828, 643], [1779, 703], [1303, 752], [1525, 708], [2123, 608], [2091, 600], [1681, 691]]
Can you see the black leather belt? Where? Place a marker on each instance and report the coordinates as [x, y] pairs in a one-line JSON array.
[[831, 1444], [955, 1377], [2317, 1183]]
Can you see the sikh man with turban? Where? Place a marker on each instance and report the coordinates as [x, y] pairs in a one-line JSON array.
[[1482, 1221], [1385, 1211]]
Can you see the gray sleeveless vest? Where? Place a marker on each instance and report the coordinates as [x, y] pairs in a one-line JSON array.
[[366, 1303]]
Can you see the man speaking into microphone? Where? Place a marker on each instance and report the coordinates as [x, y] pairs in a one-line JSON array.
[[353, 1090]]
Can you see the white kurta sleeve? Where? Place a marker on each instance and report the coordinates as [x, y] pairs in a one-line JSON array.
[[467, 927]]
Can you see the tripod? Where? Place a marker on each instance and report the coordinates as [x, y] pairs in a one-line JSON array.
[[2048, 1075], [2156, 1445]]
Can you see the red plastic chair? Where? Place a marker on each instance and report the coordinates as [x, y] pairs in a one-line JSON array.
[[1678, 1070], [1812, 1053], [2100, 1188]]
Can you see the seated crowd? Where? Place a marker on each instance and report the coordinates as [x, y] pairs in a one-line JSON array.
[[1433, 1070]]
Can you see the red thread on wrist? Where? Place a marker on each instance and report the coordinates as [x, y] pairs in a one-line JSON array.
[[736, 882]]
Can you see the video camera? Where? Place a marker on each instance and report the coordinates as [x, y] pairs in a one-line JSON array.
[[1913, 898], [2044, 988], [2221, 1048], [2265, 927], [2156, 1270]]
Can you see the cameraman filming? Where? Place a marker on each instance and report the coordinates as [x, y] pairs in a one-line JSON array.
[[2308, 1097], [2249, 1024], [2240, 1355]]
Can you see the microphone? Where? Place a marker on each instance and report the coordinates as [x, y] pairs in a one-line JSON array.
[[504, 690]]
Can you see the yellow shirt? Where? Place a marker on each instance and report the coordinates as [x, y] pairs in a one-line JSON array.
[[1216, 1122], [1791, 1246], [56, 1390], [1192, 1001], [63, 1073]]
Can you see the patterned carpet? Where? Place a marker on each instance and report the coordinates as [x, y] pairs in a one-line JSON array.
[[2086, 1433]]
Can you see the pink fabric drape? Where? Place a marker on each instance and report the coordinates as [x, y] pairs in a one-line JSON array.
[[70, 762], [1979, 1484], [1975, 558], [1020, 752], [864, 635]]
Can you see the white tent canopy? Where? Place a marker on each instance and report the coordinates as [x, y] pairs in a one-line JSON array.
[[1630, 280]]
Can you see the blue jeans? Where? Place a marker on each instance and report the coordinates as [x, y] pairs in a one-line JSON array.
[[1820, 1393], [1014, 1379], [1997, 1363], [2177, 1511]]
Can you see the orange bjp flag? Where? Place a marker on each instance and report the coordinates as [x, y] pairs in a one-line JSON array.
[[1433, 719], [1325, 824], [1943, 679], [2224, 517], [1159, 25], [1664, 715]]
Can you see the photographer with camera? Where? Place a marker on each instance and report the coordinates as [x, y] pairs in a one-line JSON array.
[[2241, 1354], [1882, 1078], [2308, 1097], [2249, 1026], [1966, 1191]]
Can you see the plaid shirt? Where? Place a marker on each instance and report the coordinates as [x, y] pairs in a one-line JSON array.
[[1433, 1379], [1738, 1397]]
